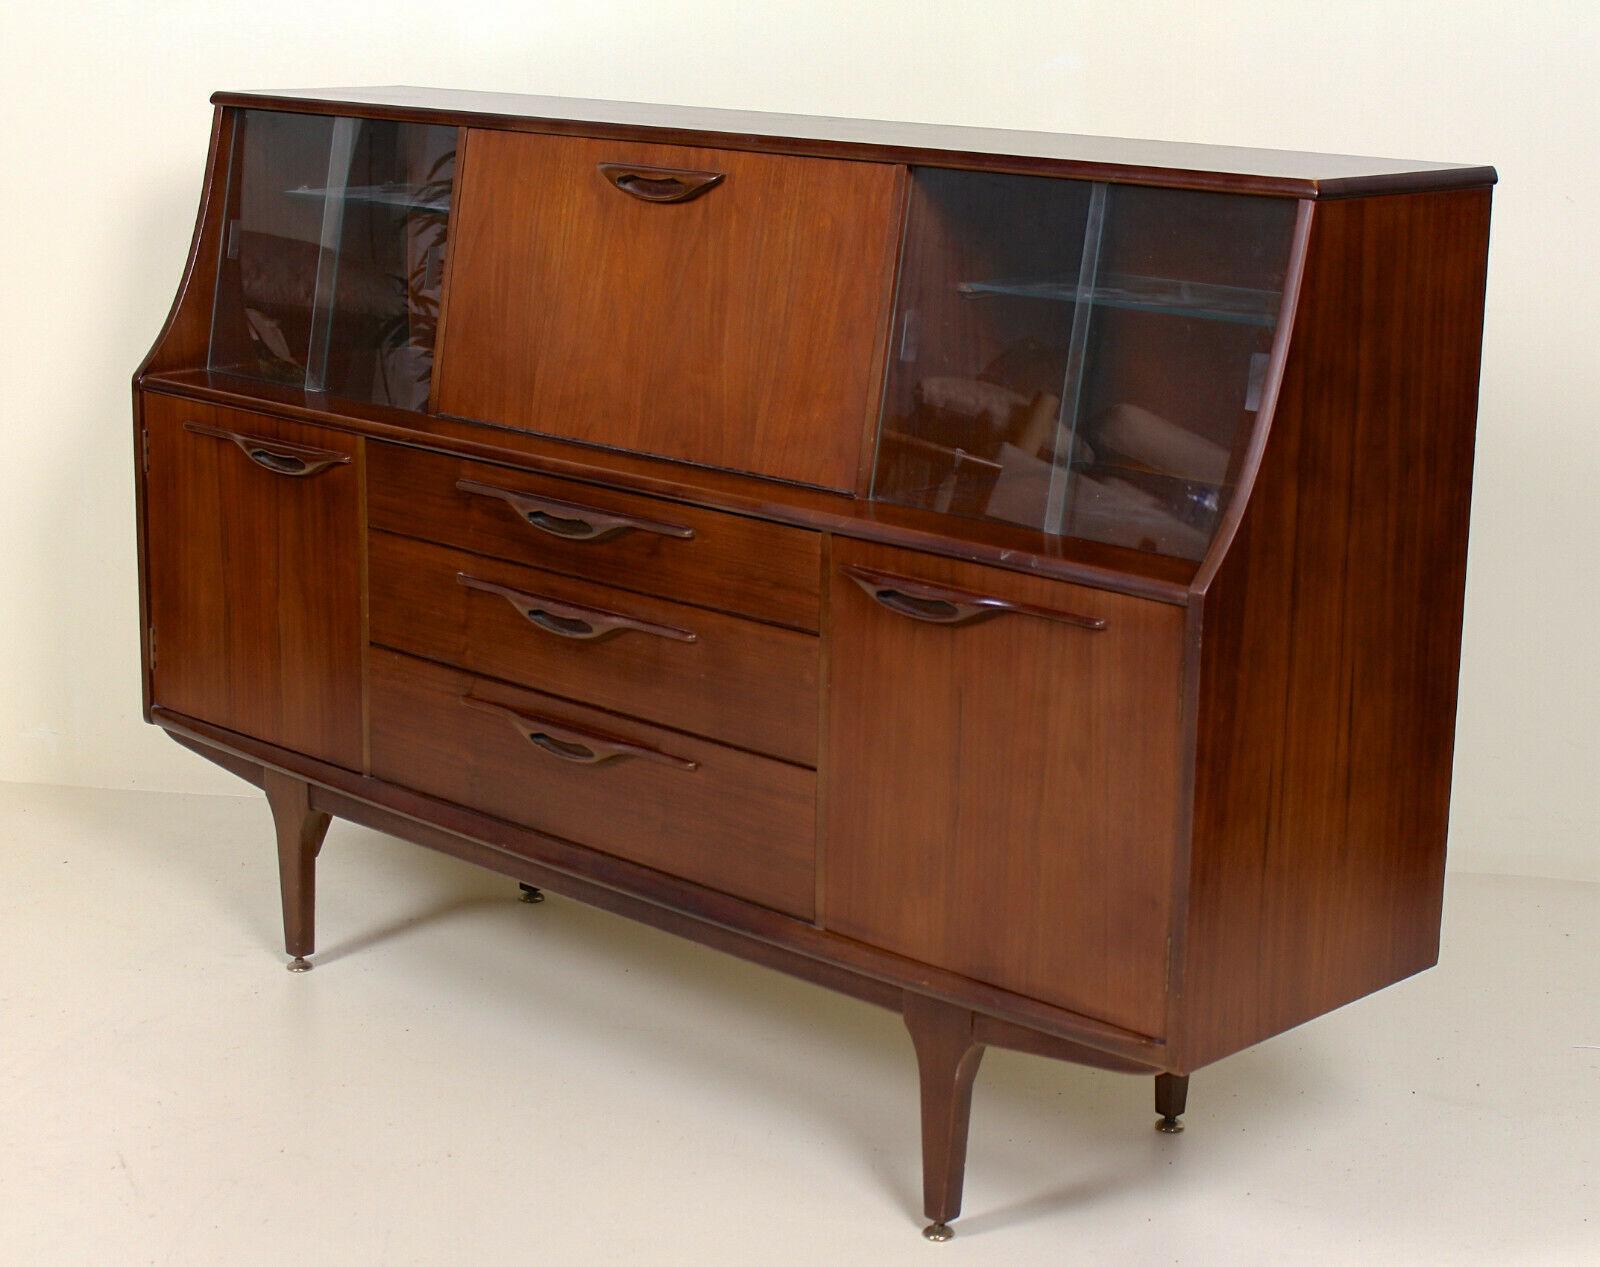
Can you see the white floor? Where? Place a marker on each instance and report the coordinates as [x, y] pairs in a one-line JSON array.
[[466, 1079]]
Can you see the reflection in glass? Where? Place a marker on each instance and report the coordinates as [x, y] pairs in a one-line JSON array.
[[1080, 358], [334, 256]]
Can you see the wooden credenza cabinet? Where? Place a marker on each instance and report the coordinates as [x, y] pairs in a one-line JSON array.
[[1012, 579]]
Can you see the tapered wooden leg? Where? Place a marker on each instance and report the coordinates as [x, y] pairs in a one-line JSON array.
[[1172, 1094], [947, 1062], [300, 831]]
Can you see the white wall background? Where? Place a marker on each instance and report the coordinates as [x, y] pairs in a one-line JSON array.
[[104, 135]]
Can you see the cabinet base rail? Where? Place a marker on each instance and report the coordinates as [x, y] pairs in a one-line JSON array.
[[948, 1035]]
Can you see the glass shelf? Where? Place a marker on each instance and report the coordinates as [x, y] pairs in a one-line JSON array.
[[333, 262], [1203, 300], [1079, 357], [425, 198]]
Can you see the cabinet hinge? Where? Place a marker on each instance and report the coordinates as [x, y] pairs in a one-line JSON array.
[[144, 450], [150, 642]]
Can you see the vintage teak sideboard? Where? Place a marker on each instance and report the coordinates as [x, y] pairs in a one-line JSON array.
[[1012, 579]]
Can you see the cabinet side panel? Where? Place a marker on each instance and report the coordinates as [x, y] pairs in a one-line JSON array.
[[1332, 636]]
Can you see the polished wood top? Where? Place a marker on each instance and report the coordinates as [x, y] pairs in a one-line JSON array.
[[1281, 172]]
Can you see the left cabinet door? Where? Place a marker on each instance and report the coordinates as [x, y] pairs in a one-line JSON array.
[[253, 575]]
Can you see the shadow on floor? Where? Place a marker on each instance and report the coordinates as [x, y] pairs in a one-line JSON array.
[[1087, 1115]]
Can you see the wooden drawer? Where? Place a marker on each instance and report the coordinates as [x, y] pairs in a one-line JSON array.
[[738, 328], [735, 680], [767, 571], [732, 821]]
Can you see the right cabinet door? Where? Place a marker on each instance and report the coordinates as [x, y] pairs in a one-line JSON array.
[[1002, 778]]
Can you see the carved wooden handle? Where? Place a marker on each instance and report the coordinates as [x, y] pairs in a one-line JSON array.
[[570, 521], [573, 620], [659, 184], [577, 746], [278, 456], [939, 605]]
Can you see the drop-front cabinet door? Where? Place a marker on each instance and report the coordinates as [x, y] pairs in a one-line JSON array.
[[1002, 764], [253, 569], [715, 306]]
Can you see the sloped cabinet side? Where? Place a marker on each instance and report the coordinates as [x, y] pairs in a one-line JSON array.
[[1331, 635], [185, 334]]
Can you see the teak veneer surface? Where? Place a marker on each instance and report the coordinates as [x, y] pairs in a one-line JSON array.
[[733, 680], [1332, 636], [1003, 795], [724, 330], [1141, 846], [1286, 173], [729, 562], [514, 849], [737, 822], [255, 580]]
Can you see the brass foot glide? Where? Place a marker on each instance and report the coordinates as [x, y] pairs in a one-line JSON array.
[[299, 964], [938, 1231], [1172, 1097], [532, 895]]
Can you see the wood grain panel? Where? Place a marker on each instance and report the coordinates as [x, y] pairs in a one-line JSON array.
[[255, 581], [1332, 635], [739, 682], [739, 823], [1002, 796], [736, 329], [611, 882], [1284, 173], [730, 563]]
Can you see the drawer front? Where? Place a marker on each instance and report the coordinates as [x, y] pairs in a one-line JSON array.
[[767, 571], [713, 815], [729, 679], [736, 328]]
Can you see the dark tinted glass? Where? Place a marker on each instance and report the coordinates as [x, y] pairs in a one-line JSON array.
[[1080, 358], [334, 255]]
